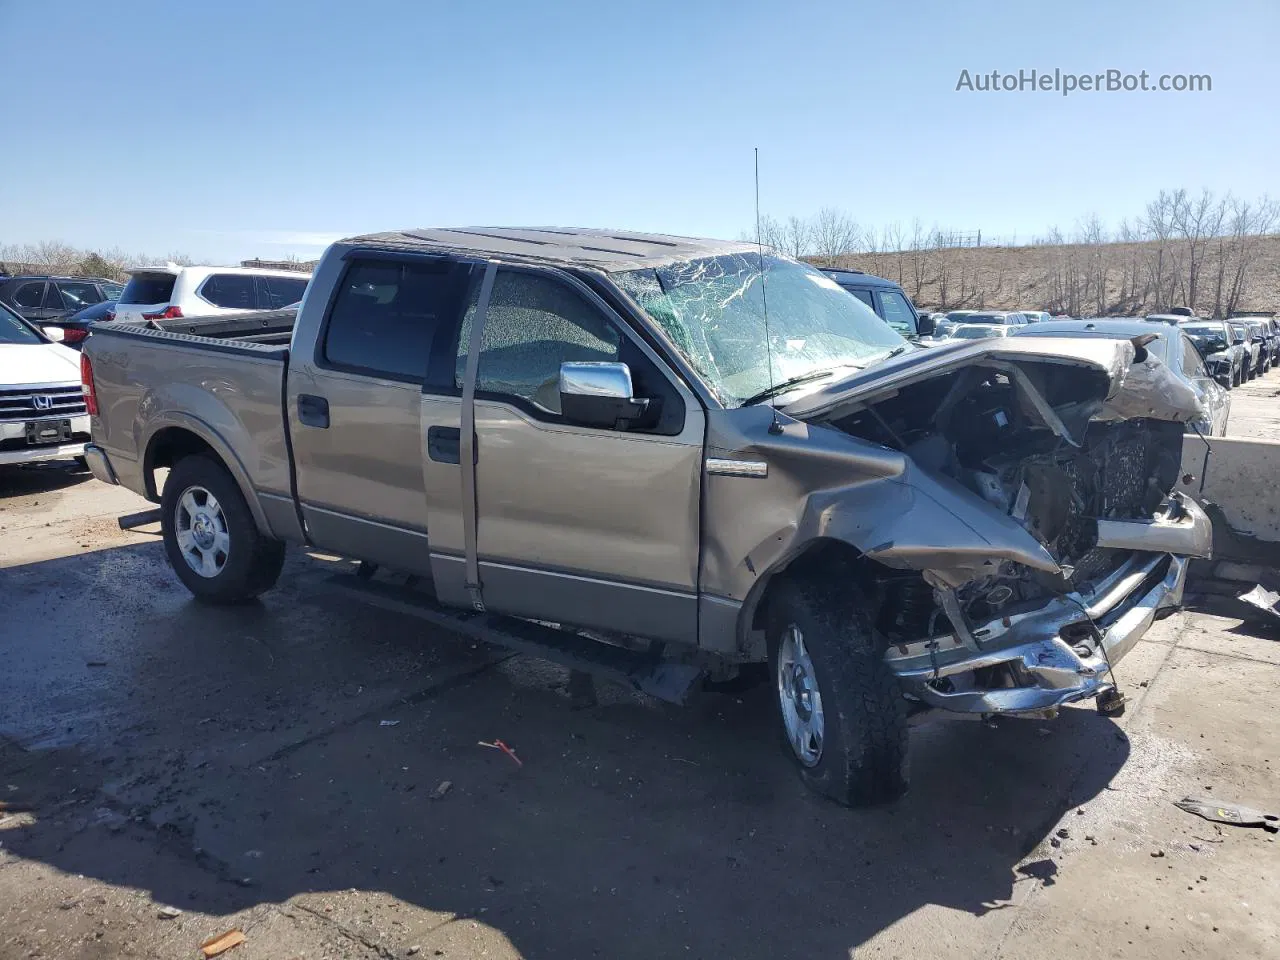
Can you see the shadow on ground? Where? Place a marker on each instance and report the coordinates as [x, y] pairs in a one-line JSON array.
[[225, 758]]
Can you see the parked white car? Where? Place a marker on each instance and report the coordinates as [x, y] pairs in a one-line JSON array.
[[172, 291], [42, 410], [1037, 316]]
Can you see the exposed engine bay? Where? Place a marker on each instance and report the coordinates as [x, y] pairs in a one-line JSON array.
[[1038, 442]]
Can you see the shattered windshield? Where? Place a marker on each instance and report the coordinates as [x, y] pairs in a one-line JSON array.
[[713, 310]]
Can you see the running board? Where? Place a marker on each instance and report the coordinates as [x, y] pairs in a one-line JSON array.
[[646, 672]]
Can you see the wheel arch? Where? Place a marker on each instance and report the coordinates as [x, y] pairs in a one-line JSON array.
[[183, 436], [823, 558]]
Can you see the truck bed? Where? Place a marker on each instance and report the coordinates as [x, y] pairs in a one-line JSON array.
[[270, 327], [220, 378]]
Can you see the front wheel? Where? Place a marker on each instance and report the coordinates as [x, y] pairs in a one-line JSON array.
[[841, 710], [210, 536]]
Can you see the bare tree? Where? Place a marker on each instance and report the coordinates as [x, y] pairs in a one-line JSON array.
[[1249, 224], [1157, 225], [834, 234], [1196, 220], [797, 237]]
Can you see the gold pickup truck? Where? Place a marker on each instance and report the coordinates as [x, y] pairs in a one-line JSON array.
[[691, 445]]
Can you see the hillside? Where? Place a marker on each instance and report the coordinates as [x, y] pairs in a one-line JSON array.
[[1232, 275]]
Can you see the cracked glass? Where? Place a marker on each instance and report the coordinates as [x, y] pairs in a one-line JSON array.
[[713, 311]]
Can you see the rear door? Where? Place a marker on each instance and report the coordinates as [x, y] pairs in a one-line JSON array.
[[596, 527], [28, 299], [224, 292], [374, 414]]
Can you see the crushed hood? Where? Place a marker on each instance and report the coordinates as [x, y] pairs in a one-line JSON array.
[[1130, 381]]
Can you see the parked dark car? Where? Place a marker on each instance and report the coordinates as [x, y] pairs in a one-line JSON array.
[[1224, 353], [887, 299], [1170, 344], [1258, 335], [39, 299], [76, 327]]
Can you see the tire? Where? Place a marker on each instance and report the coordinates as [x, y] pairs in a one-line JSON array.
[[861, 758], [204, 517]]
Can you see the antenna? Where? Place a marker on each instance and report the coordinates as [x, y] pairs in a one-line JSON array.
[[775, 426]]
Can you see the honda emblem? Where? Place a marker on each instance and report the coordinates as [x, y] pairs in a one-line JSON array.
[[42, 402]]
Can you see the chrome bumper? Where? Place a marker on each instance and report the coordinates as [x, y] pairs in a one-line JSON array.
[[1055, 672], [99, 465], [65, 451]]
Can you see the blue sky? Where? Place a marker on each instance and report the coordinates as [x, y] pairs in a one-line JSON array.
[[234, 129]]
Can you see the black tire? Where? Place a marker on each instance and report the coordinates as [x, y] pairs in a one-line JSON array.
[[863, 755], [251, 562]]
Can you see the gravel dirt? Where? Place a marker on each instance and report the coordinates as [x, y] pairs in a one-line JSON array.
[[233, 765]]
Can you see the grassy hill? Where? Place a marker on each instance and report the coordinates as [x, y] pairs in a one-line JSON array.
[[1087, 279]]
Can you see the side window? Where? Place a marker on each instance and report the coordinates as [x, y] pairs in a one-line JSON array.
[[233, 290], [534, 324], [52, 299], [29, 295], [863, 295], [1192, 363], [897, 312], [76, 296], [283, 291], [387, 317]]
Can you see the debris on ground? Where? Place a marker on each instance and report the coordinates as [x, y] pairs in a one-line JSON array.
[[444, 787], [1157, 853], [1234, 814], [1268, 601], [388, 723], [499, 745], [220, 944], [168, 913]]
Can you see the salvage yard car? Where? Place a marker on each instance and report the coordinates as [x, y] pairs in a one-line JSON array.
[[1224, 354], [42, 411], [173, 291], [618, 434], [1171, 345]]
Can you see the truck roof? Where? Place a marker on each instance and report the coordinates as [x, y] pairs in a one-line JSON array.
[[607, 250], [859, 278]]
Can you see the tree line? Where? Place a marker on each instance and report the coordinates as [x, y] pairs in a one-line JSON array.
[[1200, 251], [63, 259]]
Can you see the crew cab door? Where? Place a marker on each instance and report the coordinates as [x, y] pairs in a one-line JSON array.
[[374, 415], [596, 527]]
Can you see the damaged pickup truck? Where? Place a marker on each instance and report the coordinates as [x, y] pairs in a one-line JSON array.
[[680, 447]]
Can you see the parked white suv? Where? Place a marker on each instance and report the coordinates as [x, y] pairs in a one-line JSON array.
[[43, 415], [171, 291]]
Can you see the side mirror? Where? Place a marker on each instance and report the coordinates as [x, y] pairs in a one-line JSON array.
[[55, 334], [599, 395], [925, 325]]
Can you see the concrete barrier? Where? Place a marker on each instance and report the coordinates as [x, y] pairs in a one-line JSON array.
[[1238, 483]]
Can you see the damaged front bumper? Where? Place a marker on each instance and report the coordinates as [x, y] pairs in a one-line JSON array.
[[1060, 652]]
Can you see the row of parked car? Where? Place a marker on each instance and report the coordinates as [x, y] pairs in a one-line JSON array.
[[67, 307], [43, 415]]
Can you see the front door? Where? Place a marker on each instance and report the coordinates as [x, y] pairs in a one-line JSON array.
[[362, 407], [592, 527]]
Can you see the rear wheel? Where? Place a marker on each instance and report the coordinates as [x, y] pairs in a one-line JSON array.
[[841, 710], [210, 536]]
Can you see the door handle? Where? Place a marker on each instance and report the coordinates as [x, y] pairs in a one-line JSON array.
[[444, 444], [313, 411]]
